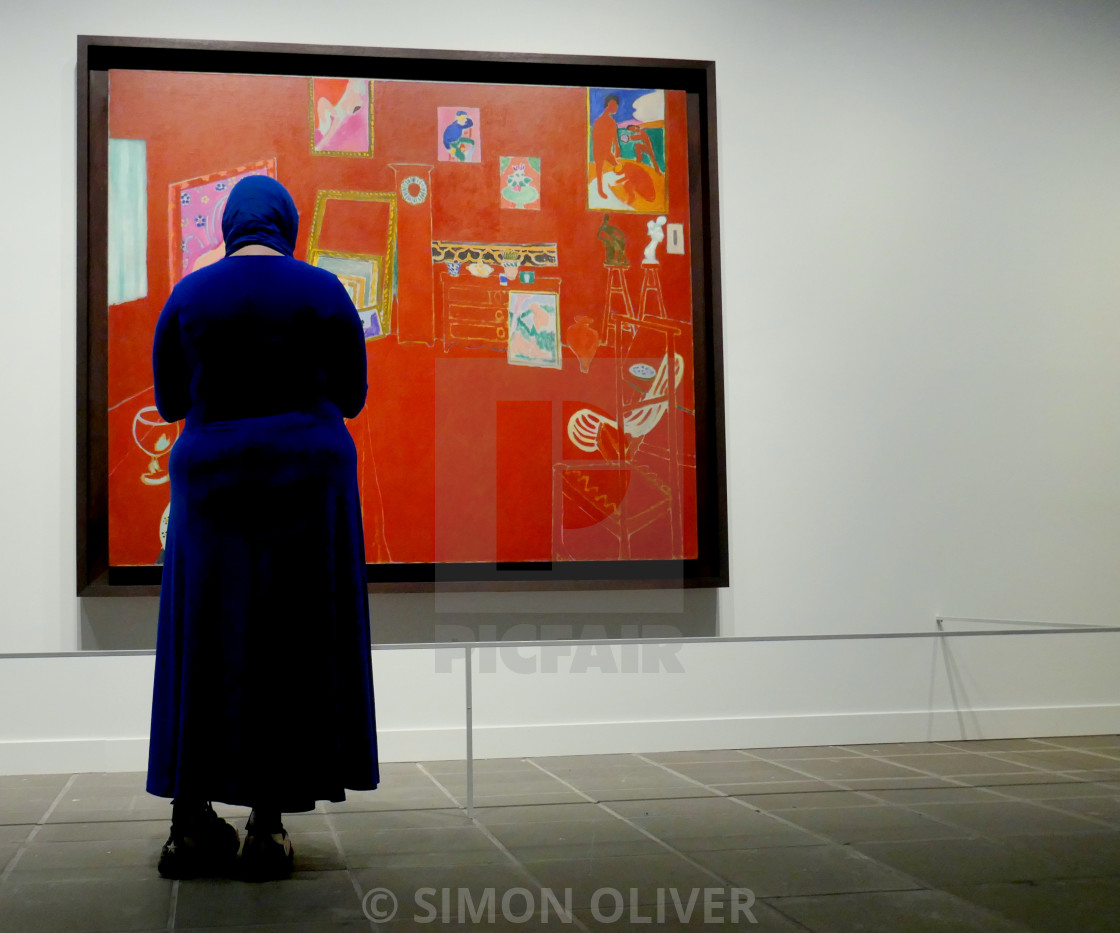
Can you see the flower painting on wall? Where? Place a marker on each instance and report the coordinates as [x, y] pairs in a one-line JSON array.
[[521, 182]]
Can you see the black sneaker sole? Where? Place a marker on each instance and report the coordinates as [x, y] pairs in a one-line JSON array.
[[216, 855], [267, 862], [197, 865]]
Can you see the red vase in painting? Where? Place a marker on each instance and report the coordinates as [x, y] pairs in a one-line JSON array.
[[584, 341]]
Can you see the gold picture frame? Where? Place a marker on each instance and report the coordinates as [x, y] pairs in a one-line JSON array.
[[312, 121], [385, 263], [363, 275]]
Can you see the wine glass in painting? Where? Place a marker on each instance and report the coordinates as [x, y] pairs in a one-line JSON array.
[[154, 436]]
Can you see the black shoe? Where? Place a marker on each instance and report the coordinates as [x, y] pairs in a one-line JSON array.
[[207, 846], [266, 856]]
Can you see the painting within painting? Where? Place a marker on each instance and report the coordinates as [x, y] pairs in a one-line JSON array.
[[460, 138], [533, 339], [520, 182], [520, 340], [626, 149], [196, 211], [127, 246], [361, 276], [341, 116]]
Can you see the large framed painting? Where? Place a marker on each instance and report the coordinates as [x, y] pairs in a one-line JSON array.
[[532, 245]]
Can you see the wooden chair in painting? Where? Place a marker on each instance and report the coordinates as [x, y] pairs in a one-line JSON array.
[[638, 481]]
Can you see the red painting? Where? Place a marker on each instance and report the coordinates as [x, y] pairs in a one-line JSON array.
[[532, 392]]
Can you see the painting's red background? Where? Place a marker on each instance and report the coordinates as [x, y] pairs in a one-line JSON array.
[[457, 444]]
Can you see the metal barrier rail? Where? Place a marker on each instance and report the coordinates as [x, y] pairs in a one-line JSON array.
[[1039, 628]]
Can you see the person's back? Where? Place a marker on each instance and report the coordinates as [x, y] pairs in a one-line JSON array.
[[264, 571], [258, 339]]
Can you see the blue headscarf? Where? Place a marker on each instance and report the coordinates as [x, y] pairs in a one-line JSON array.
[[260, 210]]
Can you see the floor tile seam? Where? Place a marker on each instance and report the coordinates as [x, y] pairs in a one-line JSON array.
[[744, 754], [1007, 798], [959, 781], [54, 804], [439, 784], [521, 868], [956, 886], [723, 881], [455, 802], [457, 806], [898, 762], [834, 842], [1114, 762], [587, 797], [948, 824], [954, 780], [789, 823], [843, 784], [172, 906], [955, 749], [1052, 861], [517, 864], [966, 833], [1010, 925], [1052, 741], [769, 902], [14, 860], [780, 764], [590, 774], [948, 750], [1054, 865], [752, 754], [1042, 805], [354, 883], [993, 755], [618, 816], [834, 785], [481, 789]]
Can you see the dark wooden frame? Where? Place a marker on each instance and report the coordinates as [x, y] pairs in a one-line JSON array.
[[96, 55]]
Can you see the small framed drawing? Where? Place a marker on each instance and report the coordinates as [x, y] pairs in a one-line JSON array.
[[360, 274], [341, 116], [534, 329]]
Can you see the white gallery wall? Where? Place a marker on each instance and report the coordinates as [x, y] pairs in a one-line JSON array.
[[920, 228]]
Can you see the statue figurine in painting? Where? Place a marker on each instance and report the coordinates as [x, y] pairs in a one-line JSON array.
[[614, 242], [656, 231]]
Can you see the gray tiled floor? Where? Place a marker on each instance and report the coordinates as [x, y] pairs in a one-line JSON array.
[[1001, 836]]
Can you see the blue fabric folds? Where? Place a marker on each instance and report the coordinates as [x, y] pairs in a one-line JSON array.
[[263, 687], [260, 210]]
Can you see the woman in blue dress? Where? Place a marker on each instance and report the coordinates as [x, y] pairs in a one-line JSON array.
[[263, 690]]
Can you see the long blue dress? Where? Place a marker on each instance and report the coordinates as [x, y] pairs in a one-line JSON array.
[[263, 689]]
